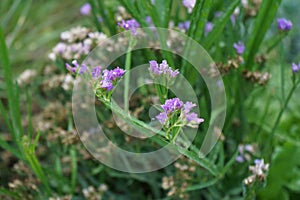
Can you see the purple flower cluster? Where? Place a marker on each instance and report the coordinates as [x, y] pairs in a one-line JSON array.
[[295, 68], [108, 77], [245, 152], [189, 4], [284, 24], [162, 69], [176, 106], [86, 9], [130, 24], [184, 25], [239, 47], [76, 68]]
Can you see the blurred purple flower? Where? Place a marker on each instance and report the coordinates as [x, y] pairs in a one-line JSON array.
[[189, 4], [193, 118], [295, 67], [239, 47], [72, 68], [149, 21], [188, 106], [162, 117], [114, 74], [208, 27], [130, 24], [106, 84], [83, 69], [96, 72], [86, 9], [184, 25], [284, 24]]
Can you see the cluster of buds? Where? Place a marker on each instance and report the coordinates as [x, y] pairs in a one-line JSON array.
[[257, 77], [103, 81], [251, 7], [76, 43], [225, 68], [175, 115], [94, 194], [284, 24], [245, 152], [259, 172], [130, 24]]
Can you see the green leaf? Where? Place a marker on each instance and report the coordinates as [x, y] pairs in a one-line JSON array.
[[202, 185], [265, 17], [220, 25]]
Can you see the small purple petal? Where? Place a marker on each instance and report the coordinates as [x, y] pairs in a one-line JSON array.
[[188, 106], [239, 47], [96, 72], [284, 24], [208, 27], [162, 117], [85, 9], [295, 68], [106, 84], [189, 4]]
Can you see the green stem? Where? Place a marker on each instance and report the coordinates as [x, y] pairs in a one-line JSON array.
[[127, 75], [270, 139]]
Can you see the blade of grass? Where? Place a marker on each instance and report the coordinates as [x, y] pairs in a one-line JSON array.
[[10, 91], [262, 23], [220, 25], [10, 13]]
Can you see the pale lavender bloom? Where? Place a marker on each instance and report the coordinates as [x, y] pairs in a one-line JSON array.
[[193, 118], [149, 21], [189, 4], [260, 167], [284, 24], [239, 47], [295, 67], [163, 68], [83, 69], [96, 72], [188, 106], [85, 9], [184, 25], [130, 24], [172, 104], [154, 67], [239, 159], [72, 68], [162, 117], [106, 84], [114, 74], [208, 27]]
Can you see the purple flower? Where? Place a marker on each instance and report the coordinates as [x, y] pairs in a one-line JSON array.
[[188, 106], [72, 68], [185, 117], [184, 25], [163, 68], [189, 4], [96, 72], [208, 27], [193, 118], [172, 104], [162, 117], [239, 159], [295, 67], [130, 24], [239, 47], [114, 74], [284, 24], [149, 21], [83, 69], [85, 9], [106, 84]]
